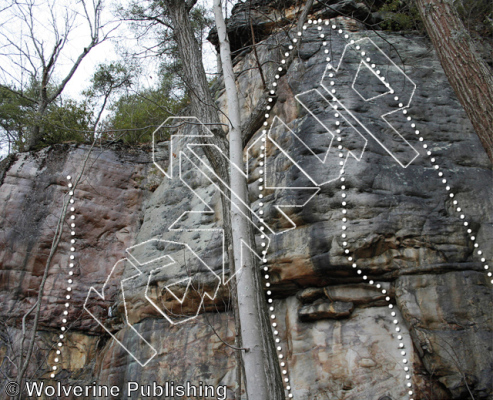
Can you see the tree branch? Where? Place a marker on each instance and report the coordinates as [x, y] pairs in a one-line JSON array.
[[257, 117], [190, 4], [22, 96], [304, 14]]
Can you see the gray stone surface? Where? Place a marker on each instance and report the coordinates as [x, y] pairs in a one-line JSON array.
[[338, 336]]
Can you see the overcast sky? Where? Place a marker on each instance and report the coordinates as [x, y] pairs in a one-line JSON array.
[[107, 52], [11, 30]]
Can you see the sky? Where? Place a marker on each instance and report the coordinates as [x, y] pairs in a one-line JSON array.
[[14, 39], [10, 29], [107, 52]]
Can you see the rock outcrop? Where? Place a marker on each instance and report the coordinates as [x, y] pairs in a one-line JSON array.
[[406, 238]]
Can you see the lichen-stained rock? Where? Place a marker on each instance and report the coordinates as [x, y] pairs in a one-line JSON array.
[[324, 309], [450, 318], [403, 231], [107, 214]]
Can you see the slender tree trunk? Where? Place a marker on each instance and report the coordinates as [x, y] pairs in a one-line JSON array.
[[304, 14], [37, 130], [202, 103], [262, 378], [470, 77]]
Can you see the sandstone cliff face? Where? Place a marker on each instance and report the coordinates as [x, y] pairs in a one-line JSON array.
[[337, 335]]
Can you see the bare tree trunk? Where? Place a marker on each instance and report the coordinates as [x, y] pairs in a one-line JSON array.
[[262, 379], [304, 14], [203, 105], [37, 130], [470, 77]]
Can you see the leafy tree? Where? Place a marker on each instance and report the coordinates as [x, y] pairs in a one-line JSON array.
[[68, 121], [63, 120], [108, 79], [400, 16], [14, 119], [136, 115], [34, 47]]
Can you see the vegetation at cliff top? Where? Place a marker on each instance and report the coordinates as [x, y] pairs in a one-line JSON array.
[[116, 107], [403, 15]]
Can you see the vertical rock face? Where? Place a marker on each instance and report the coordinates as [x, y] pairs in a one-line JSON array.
[[107, 215], [337, 333], [450, 319]]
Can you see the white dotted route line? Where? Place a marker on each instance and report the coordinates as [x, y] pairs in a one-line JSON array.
[[443, 181], [266, 270], [69, 280], [341, 163], [432, 160], [344, 227], [262, 157], [345, 244]]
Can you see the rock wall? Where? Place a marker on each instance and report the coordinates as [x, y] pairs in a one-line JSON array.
[[337, 333]]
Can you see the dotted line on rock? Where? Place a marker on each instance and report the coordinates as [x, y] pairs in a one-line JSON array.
[[262, 156], [462, 216], [63, 328], [267, 277], [425, 146], [277, 340], [395, 321], [443, 180]]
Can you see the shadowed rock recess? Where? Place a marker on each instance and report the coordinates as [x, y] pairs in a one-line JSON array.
[[337, 333]]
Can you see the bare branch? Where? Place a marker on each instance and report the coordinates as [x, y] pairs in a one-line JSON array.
[[94, 42], [255, 47], [190, 4], [304, 14]]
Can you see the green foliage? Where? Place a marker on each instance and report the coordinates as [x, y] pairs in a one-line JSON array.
[[15, 114], [63, 121], [400, 16], [202, 21], [135, 116], [70, 121], [477, 16], [108, 78]]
